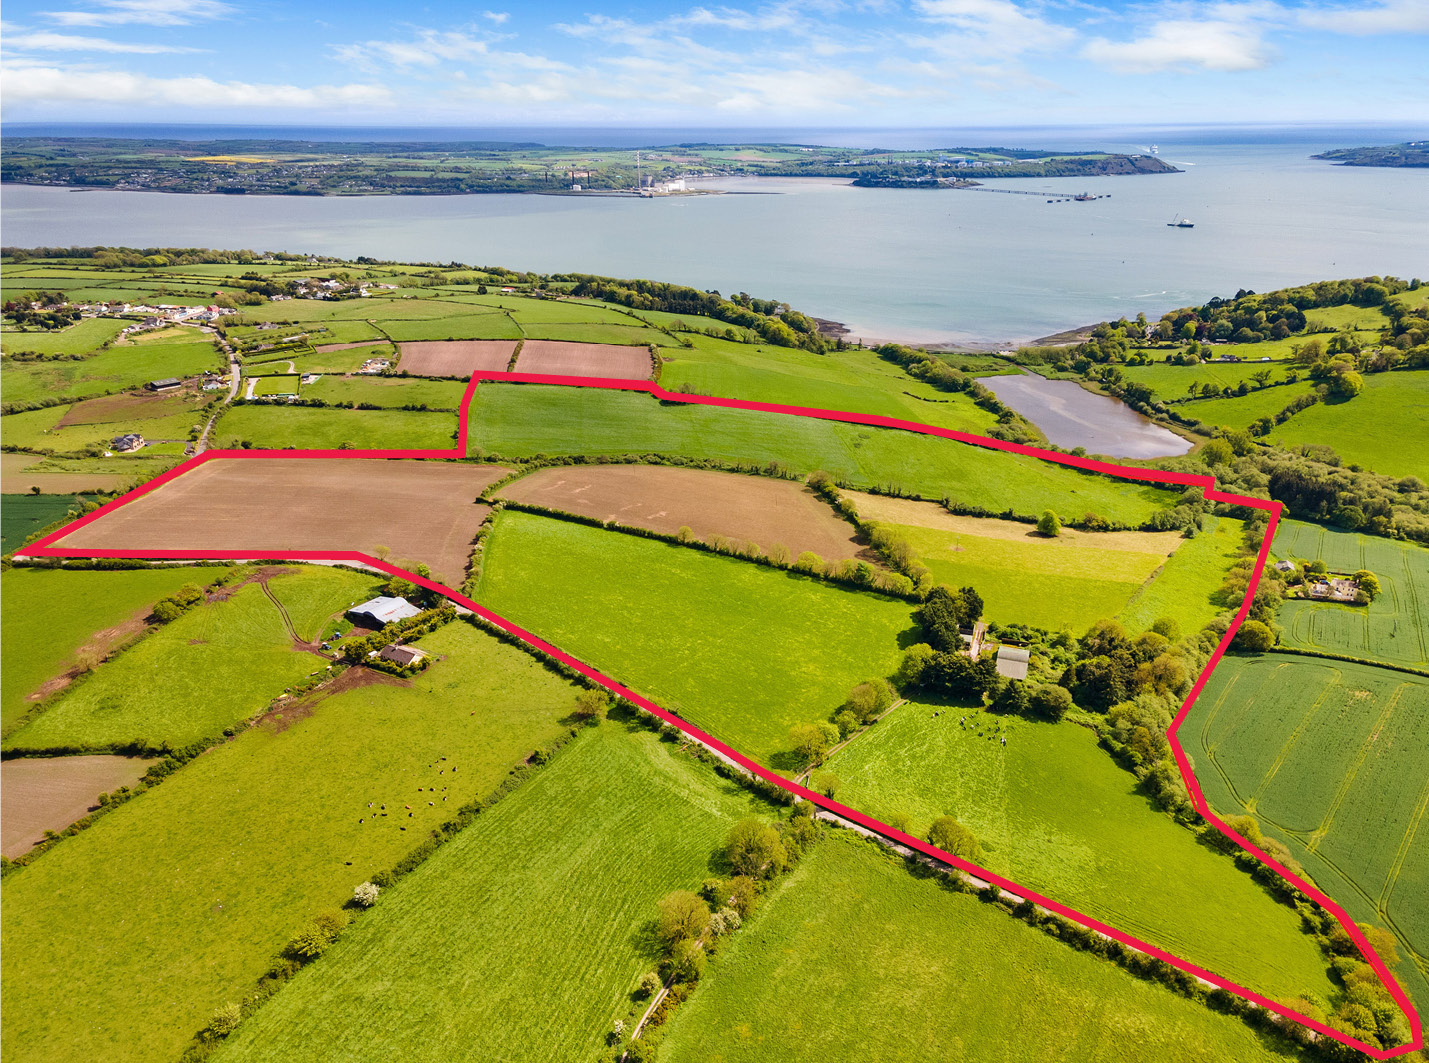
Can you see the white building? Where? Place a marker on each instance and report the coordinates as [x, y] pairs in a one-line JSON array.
[[381, 611]]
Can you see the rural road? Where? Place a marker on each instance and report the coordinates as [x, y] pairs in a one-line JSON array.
[[234, 372]]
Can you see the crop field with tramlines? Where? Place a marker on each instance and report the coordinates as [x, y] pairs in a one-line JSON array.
[[1329, 758]]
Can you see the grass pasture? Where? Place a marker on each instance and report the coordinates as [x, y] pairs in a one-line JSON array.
[[1382, 429], [849, 381], [23, 515], [80, 338], [224, 883], [1394, 628], [110, 370], [742, 651], [1052, 810], [389, 392], [517, 420], [1329, 758], [307, 428], [1242, 411], [213, 667], [463, 326], [1184, 585], [1064, 583], [50, 613], [521, 938], [851, 957]]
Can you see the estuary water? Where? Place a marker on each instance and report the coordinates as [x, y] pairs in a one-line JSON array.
[[974, 266], [1071, 416]]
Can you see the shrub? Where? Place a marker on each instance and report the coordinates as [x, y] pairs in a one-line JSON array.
[[1255, 637], [224, 1021], [591, 705], [312, 941], [827, 783], [1048, 524], [686, 962], [365, 894], [649, 985], [754, 848]]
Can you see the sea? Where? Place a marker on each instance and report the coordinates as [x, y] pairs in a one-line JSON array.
[[976, 267]]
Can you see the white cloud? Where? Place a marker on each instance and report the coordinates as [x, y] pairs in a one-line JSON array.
[[41, 85], [42, 41], [996, 28], [1386, 16], [795, 91], [497, 17], [144, 12], [1220, 45], [429, 48]]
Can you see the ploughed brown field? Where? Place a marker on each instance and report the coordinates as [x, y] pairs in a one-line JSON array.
[[455, 357], [422, 510], [564, 358], [50, 793], [664, 498], [130, 407]]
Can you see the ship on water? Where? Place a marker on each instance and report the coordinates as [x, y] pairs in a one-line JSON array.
[[1181, 223]]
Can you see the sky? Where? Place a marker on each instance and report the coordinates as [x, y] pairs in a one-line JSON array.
[[852, 63]]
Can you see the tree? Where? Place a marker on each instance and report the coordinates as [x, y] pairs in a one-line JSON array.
[[1217, 452], [812, 740], [591, 705], [1255, 637], [952, 837], [1347, 385], [650, 984], [1168, 627], [682, 915], [1369, 583], [910, 669], [956, 675], [827, 783], [1049, 701], [686, 962], [753, 848], [1049, 525], [941, 615], [366, 894], [867, 700], [1012, 698]]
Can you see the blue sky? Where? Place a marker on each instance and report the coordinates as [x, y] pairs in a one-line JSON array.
[[863, 63]]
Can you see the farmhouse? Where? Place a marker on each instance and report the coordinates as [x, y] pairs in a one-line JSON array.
[[1285, 566], [130, 441], [381, 611], [1334, 589], [1012, 661], [167, 384], [401, 655]]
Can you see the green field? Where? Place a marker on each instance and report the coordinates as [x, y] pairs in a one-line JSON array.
[[851, 957], [1056, 586], [1244, 410], [850, 381], [738, 649], [387, 391], [521, 938], [1182, 589], [276, 384], [96, 422], [112, 370], [1394, 628], [213, 667], [1174, 381], [50, 613], [1329, 758], [80, 338], [1052, 811], [122, 941], [516, 420], [23, 515], [306, 428], [1383, 429]]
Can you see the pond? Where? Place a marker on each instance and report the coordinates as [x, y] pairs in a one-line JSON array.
[[1072, 416]]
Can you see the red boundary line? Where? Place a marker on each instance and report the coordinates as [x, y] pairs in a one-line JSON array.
[[44, 548]]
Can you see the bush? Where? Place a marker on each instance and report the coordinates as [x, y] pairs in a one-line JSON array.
[[224, 1021], [686, 962], [312, 941], [366, 894], [649, 985], [827, 783], [952, 837], [1048, 524], [754, 848], [1254, 637]]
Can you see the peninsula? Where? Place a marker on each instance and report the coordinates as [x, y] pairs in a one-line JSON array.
[[334, 168]]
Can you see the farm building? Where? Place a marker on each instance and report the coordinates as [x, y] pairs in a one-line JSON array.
[[1012, 661], [1285, 566], [167, 384], [381, 611], [130, 441], [401, 655], [1334, 589]]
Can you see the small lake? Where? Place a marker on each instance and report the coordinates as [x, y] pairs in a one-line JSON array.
[[1072, 416]]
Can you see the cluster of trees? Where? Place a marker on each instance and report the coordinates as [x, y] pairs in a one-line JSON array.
[[131, 257], [355, 651], [773, 322], [1368, 588], [1252, 318], [41, 310], [931, 369]]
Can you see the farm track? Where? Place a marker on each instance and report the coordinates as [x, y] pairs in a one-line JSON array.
[[1324, 828], [1404, 845]]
